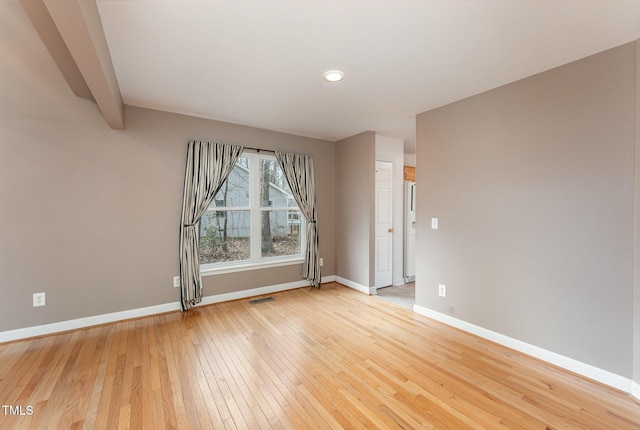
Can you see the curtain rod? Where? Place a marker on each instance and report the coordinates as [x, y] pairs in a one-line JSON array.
[[260, 149]]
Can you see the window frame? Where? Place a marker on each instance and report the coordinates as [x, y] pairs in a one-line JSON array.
[[256, 260]]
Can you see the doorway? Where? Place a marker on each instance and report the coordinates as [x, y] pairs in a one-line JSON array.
[[403, 293], [384, 224]]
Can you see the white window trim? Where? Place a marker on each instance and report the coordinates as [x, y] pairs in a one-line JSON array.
[[256, 261], [242, 266]]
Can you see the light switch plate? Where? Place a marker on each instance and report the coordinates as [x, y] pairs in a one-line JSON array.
[[434, 223]]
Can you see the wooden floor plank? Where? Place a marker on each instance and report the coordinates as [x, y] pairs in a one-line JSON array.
[[312, 358]]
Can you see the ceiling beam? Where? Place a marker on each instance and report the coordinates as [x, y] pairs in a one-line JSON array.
[[77, 24], [48, 32]]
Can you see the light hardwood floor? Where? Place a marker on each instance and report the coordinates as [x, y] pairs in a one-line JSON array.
[[312, 358]]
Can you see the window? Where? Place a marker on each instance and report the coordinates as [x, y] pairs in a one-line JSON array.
[[254, 218]]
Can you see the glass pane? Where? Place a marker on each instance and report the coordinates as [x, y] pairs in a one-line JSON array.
[[280, 233], [224, 236], [235, 190], [274, 190]]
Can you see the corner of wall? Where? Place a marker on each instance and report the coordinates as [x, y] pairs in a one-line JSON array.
[[636, 235], [355, 174]]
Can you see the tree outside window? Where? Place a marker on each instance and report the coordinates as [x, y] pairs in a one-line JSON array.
[[253, 218]]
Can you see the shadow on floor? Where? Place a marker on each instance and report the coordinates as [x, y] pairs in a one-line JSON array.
[[403, 295]]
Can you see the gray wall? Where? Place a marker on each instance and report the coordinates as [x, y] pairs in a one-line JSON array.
[[355, 178], [89, 214], [533, 186]]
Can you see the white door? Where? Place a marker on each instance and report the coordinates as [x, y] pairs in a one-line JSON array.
[[384, 224]]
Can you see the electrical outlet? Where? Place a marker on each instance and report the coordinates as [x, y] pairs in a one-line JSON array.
[[176, 281], [322, 262], [39, 299], [442, 290]]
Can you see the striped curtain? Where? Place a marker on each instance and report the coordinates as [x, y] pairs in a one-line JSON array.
[[208, 166], [298, 169]]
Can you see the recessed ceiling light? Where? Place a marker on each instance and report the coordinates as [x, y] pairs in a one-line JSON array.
[[333, 75]]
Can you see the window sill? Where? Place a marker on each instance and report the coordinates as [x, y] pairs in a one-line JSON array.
[[248, 266]]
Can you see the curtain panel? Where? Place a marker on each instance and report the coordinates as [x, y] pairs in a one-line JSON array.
[[208, 166], [298, 170]]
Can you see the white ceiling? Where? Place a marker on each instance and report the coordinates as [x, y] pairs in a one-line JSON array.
[[260, 63]]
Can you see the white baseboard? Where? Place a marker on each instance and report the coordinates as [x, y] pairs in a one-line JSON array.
[[356, 286], [586, 370], [635, 389], [226, 297], [41, 330]]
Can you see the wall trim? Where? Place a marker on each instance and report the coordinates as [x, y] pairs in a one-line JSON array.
[[635, 389], [62, 326], [356, 286], [227, 297], [600, 375], [79, 323], [242, 267]]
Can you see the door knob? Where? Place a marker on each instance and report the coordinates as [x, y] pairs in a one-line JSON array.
[[391, 230]]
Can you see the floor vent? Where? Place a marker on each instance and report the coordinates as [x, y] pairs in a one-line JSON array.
[[261, 300]]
